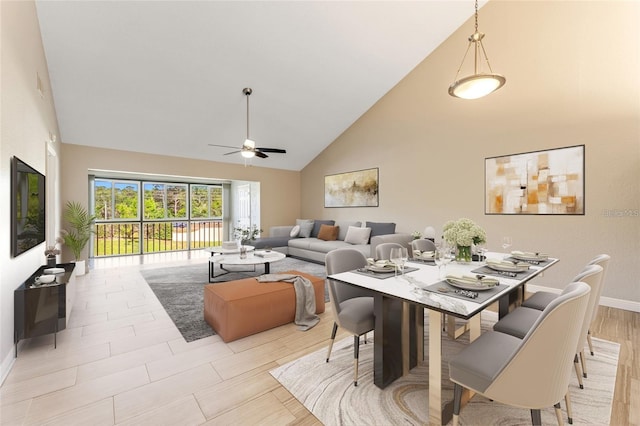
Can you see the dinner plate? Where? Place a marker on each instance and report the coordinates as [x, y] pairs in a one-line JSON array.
[[469, 285], [528, 256], [507, 267], [53, 271], [386, 268]]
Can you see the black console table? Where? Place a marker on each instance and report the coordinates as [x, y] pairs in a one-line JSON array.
[[41, 309]]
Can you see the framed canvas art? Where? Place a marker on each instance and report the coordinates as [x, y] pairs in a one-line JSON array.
[[549, 182], [352, 189]]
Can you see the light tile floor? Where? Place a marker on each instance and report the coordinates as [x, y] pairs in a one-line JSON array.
[[121, 360]]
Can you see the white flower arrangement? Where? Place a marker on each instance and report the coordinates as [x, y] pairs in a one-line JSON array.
[[248, 233], [416, 235], [463, 232]]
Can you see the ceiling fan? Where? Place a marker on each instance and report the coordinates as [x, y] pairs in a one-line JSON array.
[[248, 148]]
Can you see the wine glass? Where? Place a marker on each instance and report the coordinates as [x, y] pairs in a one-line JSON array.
[[482, 251], [404, 256], [506, 243], [448, 256], [438, 258], [395, 256]]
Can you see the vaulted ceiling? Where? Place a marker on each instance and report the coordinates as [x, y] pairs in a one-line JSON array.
[[166, 77]]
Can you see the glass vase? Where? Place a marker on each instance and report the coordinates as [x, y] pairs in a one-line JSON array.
[[463, 254]]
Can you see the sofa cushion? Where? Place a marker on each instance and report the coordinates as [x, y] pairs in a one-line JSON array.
[[326, 246], [302, 243], [356, 235], [328, 233], [381, 228], [294, 231], [344, 227], [317, 224]]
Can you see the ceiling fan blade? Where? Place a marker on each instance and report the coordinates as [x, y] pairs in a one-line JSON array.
[[223, 146], [260, 154], [232, 152], [274, 150]]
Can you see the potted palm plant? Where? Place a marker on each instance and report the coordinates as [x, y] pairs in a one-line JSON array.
[[80, 229]]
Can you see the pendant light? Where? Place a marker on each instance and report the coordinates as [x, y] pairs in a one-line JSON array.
[[249, 146], [479, 84]]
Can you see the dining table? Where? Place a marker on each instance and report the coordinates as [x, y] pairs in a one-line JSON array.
[[400, 302]]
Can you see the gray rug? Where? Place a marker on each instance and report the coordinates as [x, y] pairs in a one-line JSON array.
[[180, 290], [326, 389]]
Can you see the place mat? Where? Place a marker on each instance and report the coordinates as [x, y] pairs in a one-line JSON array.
[[531, 262], [482, 295], [382, 275], [420, 260], [485, 270]]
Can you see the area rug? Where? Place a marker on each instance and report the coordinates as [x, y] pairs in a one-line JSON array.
[[180, 289], [326, 389]]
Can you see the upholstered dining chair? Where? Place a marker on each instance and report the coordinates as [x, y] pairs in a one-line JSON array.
[[541, 299], [532, 372], [423, 245], [383, 251], [523, 319], [519, 322], [352, 306]]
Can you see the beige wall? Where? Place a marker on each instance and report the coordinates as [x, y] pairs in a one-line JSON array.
[[27, 118], [279, 189], [573, 77]]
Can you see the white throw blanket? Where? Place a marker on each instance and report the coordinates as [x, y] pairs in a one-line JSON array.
[[306, 317]]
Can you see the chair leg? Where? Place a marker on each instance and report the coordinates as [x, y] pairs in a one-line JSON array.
[[558, 414], [590, 342], [457, 402], [583, 362], [536, 420], [567, 400], [356, 355], [333, 339], [578, 372]]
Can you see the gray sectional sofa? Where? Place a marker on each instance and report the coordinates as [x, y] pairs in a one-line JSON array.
[[309, 246]]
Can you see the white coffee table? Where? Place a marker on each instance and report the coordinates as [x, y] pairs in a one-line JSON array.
[[254, 258], [220, 250]]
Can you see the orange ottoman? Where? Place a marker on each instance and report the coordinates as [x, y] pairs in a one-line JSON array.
[[236, 309]]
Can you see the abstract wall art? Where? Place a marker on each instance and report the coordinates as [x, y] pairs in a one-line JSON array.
[[352, 189], [549, 182]]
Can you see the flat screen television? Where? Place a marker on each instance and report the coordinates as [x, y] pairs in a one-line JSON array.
[[27, 207]]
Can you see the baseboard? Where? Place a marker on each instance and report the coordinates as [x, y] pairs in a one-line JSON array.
[[7, 365], [611, 302]]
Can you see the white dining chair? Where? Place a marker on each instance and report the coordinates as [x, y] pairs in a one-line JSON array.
[[383, 251], [519, 322], [532, 372], [422, 245]]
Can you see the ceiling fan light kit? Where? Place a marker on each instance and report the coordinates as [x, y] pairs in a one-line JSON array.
[[478, 84], [249, 149]]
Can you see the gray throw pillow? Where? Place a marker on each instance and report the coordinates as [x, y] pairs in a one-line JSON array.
[[344, 227], [317, 224], [357, 235], [381, 228], [305, 229]]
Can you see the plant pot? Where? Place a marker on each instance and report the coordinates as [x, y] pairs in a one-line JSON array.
[[80, 268]]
